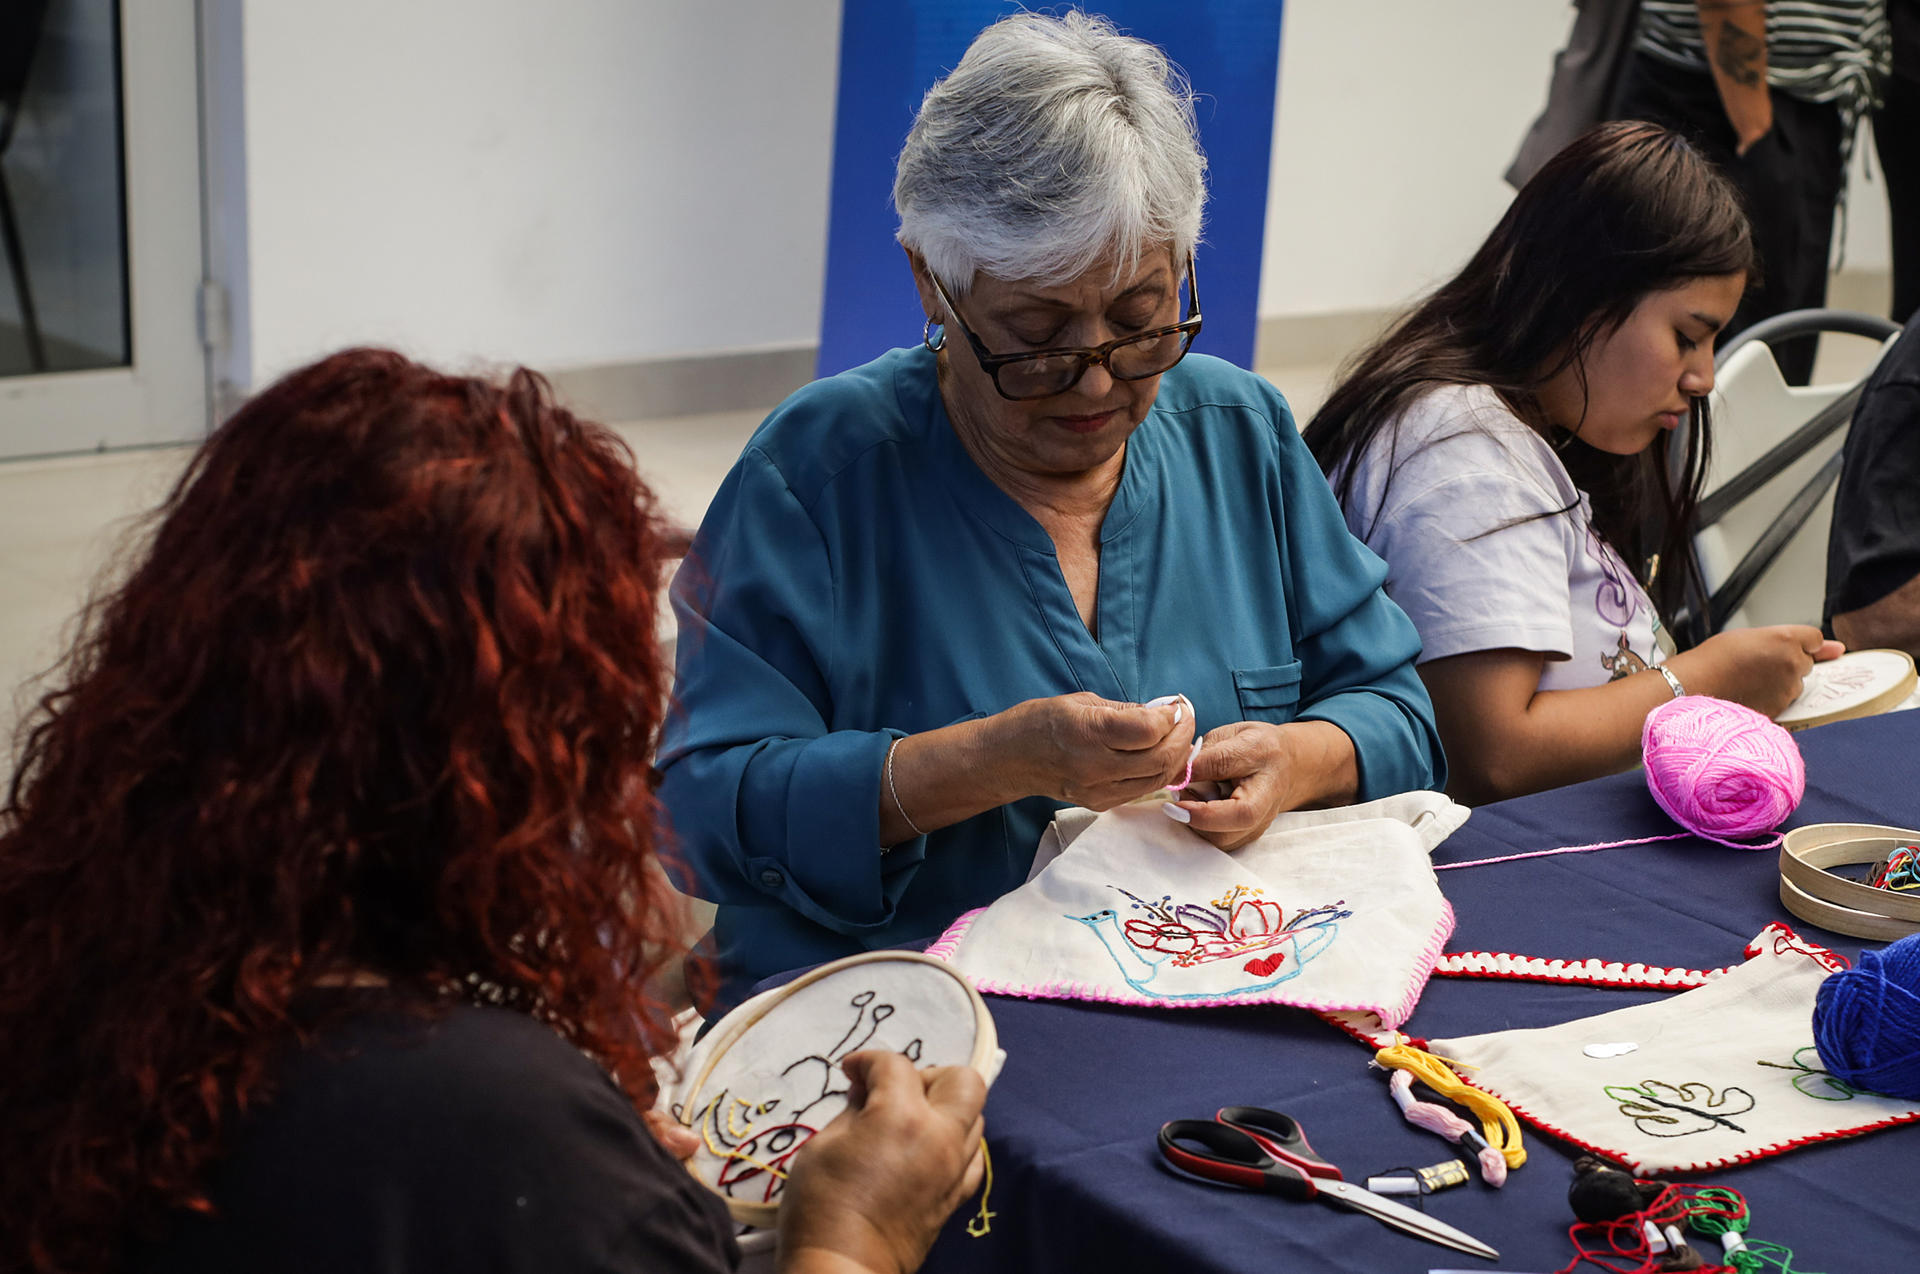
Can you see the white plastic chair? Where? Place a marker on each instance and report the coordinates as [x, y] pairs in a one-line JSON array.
[[1761, 546]]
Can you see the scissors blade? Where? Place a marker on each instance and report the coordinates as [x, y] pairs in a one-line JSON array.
[[1418, 1224]]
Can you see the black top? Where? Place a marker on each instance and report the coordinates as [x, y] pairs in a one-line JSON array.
[[1904, 17], [1874, 546], [477, 1141]]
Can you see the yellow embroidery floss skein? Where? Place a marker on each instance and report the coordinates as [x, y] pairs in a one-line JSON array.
[[1499, 1150]]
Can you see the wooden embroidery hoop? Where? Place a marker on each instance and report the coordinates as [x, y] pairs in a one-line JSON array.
[[1815, 894], [985, 1057], [1895, 683]]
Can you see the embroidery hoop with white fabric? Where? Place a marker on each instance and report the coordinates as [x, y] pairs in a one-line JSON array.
[[763, 1081], [1860, 683]]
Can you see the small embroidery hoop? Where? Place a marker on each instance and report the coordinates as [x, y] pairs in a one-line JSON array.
[[1894, 679], [986, 1055], [1811, 891]]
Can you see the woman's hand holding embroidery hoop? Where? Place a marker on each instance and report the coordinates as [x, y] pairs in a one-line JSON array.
[[674, 1137], [872, 1189], [1266, 770], [1760, 668]]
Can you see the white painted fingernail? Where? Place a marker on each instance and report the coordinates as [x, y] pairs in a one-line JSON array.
[[1177, 702], [1175, 813]]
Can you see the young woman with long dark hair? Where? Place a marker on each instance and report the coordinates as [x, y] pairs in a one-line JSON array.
[[1502, 447], [328, 884]]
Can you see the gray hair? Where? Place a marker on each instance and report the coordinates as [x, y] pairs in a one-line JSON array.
[[1054, 143]]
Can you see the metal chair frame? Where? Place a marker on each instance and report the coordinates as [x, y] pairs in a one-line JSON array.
[[1698, 622]]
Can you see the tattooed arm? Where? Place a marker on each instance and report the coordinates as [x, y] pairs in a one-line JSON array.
[[1735, 35]]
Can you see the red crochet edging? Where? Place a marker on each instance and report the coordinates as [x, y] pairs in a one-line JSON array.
[[1776, 938], [1612, 973], [1706, 1165], [1590, 972]]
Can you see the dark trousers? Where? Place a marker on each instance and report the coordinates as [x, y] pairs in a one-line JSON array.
[[1896, 135], [1790, 181]]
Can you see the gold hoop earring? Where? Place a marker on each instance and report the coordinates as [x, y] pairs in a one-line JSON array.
[[926, 336]]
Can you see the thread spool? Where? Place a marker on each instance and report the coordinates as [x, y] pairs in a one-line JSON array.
[[1866, 1021], [1428, 1180], [1721, 770]]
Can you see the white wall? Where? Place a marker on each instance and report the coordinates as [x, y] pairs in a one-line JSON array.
[[564, 183], [1395, 120], [592, 181]]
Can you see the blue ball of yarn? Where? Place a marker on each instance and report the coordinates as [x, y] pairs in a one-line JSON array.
[[1866, 1021]]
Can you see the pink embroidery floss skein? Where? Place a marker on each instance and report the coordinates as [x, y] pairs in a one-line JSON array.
[[1721, 770], [1438, 1119]]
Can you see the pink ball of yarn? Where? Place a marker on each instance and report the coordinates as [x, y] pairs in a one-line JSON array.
[[1719, 769]]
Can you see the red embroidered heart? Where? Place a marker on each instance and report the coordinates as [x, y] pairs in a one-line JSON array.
[[1261, 968]]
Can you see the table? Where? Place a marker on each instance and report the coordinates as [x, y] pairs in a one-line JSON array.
[[1079, 1185]]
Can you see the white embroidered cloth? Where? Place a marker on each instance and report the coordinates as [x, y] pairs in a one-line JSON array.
[[1718, 1075], [1330, 909]]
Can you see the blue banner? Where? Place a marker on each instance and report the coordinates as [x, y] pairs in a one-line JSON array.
[[892, 51]]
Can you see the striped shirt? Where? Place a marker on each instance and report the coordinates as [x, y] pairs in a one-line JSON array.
[[1817, 50]]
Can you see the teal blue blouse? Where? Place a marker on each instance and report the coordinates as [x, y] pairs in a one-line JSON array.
[[858, 578]]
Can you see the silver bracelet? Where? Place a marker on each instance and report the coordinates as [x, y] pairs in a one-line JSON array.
[[1673, 682], [895, 792]]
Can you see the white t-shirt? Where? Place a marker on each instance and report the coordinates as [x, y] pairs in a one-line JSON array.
[[1452, 498]]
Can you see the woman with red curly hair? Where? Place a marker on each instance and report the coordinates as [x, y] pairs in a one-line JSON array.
[[328, 895]]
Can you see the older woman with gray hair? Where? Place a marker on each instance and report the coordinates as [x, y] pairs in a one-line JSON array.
[[928, 602]]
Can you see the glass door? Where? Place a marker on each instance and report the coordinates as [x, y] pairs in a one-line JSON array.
[[100, 341]]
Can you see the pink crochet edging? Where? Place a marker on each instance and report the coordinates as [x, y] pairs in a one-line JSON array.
[[944, 947]]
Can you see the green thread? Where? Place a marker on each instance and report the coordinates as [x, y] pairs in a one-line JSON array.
[[1762, 1257], [1841, 1089], [1715, 1212]]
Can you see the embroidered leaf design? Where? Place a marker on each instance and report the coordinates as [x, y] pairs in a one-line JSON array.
[[1811, 1078], [1661, 1109]]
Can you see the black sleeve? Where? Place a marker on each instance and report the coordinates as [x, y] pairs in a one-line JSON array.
[[479, 1141], [1874, 546]]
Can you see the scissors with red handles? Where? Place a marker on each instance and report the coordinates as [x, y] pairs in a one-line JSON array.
[[1260, 1149]]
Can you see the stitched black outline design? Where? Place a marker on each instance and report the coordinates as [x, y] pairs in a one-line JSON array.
[[1638, 1103]]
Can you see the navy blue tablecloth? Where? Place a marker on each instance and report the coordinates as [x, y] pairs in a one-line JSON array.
[[1077, 1181]]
